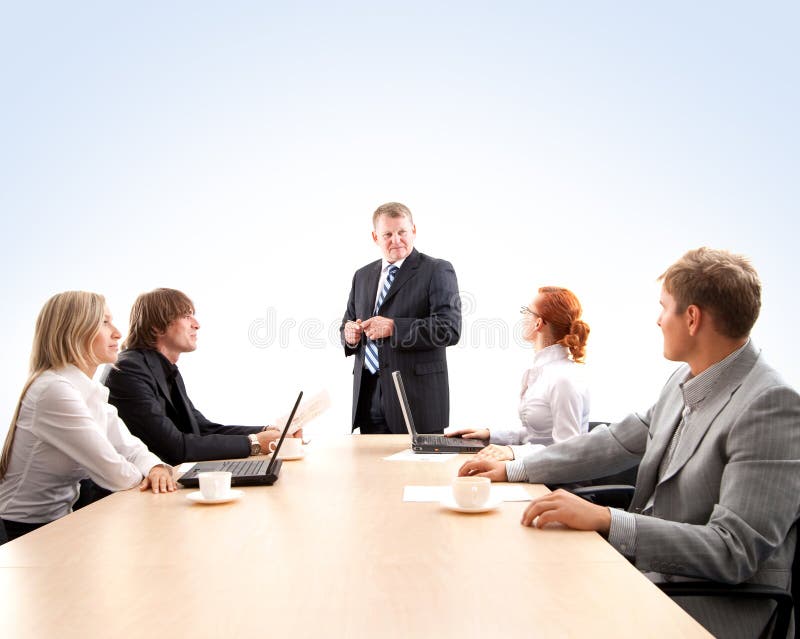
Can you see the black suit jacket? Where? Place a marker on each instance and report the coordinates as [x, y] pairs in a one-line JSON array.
[[424, 303], [138, 388]]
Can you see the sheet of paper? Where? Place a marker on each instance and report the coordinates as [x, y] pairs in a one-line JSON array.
[[309, 409], [410, 455], [438, 493]]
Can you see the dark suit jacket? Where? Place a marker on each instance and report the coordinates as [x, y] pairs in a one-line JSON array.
[[138, 388], [424, 303]]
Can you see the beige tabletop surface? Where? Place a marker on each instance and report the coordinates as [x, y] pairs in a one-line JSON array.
[[331, 550]]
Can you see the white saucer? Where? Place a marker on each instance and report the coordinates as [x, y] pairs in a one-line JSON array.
[[449, 502], [197, 497]]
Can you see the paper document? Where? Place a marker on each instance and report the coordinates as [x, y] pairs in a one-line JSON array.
[[410, 455], [438, 493], [309, 409]]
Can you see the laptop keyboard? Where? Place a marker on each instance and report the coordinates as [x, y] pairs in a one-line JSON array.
[[441, 440], [244, 468]]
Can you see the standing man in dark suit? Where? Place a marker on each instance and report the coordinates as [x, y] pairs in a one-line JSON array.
[[403, 311], [148, 390]]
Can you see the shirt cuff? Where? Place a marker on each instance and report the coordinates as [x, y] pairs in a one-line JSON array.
[[515, 470], [622, 532]]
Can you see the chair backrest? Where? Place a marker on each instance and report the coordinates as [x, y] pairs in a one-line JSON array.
[[626, 477]]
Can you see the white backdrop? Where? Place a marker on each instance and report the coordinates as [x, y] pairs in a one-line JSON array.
[[236, 151]]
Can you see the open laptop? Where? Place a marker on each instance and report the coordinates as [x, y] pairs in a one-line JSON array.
[[244, 472], [425, 443]]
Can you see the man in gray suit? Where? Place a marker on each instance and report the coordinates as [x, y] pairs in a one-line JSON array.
[[718, 490], [402, 313]]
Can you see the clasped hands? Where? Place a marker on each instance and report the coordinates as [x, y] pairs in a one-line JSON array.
[[376, 327], [558, 507]]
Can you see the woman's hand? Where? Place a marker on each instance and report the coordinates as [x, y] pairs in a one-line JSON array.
[[159, 480], [493, 451]]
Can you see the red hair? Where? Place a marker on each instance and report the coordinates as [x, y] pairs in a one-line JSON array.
[[560, 308]]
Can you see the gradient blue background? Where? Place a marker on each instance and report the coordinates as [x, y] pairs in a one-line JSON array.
[[237, 150]]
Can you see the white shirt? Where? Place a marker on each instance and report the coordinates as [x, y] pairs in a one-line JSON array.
[[385, 274], [67, 431], [553, 406]]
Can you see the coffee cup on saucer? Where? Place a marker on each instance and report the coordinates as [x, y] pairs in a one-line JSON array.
[[215, 485], [292, 447], [471, 492]]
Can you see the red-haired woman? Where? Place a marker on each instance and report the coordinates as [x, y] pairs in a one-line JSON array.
[[554, 400]]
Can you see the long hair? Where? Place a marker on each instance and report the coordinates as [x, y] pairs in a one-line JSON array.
[[562, 310], [65, 330], [152, 313]]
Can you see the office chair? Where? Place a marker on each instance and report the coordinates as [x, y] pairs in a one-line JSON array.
[[785, 600], [615, 490]]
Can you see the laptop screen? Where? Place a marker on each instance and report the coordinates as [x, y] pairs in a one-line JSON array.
[[404, 406], [283, 434]]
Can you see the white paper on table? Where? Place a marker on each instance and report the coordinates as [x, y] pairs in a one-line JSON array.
[[410, 455], [438, 493]]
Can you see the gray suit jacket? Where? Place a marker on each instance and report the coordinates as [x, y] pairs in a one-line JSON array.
[[725, 510]]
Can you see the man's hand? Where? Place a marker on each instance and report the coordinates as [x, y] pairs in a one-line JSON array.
[[352, 332], [494, 470], [159, 479], [377, 327], [565, 508], [272, 434], [470, 433], [493, 451]]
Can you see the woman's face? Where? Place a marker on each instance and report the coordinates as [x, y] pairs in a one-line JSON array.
[[532, 321], [105, 345]]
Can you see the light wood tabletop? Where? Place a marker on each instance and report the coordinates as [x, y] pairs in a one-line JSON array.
[[331, 550]]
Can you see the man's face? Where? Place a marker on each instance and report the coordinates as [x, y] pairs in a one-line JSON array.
[[675, 328], [181, 335], [395, 237]]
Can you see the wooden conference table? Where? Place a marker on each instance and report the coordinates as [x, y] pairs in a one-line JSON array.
[[330, 550]]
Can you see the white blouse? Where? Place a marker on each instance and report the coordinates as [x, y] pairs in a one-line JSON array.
[[554, 403], [67, 431]]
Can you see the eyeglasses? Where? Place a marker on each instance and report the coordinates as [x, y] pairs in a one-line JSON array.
[[526, 311]]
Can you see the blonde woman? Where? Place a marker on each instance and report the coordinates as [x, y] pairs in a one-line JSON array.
[[64, 429], [554, 399]]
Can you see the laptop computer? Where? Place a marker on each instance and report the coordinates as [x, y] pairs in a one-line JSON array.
[[260, 472], [426, 443]]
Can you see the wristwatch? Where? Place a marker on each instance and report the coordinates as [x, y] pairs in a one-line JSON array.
[[255, 447]]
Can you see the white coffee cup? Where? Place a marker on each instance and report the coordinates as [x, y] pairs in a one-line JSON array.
[[471, 492], [291, 447], [215, 485]]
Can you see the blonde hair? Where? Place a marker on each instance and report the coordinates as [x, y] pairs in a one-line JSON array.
[[65, 330], [391, 209]]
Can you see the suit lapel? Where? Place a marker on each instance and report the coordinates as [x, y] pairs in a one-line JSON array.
[[698, 422], [369, 291], [186, 404], [667, 420], [406, 272], [157, 369]]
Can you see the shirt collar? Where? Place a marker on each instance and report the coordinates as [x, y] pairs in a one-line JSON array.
[[385, 264], [86, 386], [170, 369], [551, 353], [696, 389]]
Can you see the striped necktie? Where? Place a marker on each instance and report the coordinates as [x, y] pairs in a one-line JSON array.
[[371, 352]]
